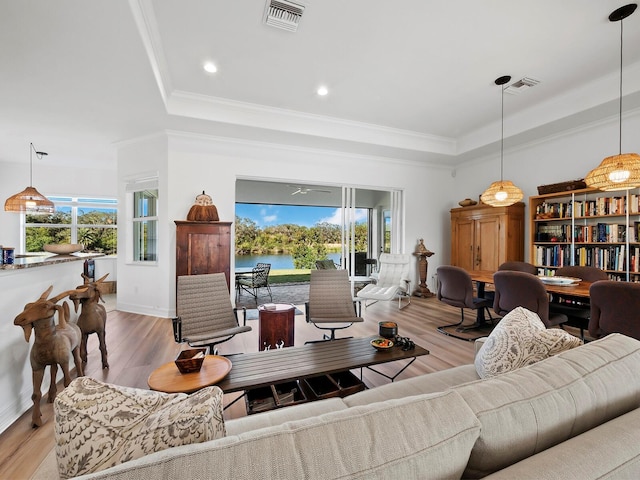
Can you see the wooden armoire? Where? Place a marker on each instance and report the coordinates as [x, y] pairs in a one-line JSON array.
[[483, 237], [203, 247]]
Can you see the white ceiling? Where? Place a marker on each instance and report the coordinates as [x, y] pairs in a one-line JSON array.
[[410, 79]]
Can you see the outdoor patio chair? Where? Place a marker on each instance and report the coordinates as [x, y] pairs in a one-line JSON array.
[[331, 306], [254, 281], [392, 280], [326, 265], [205, 316]]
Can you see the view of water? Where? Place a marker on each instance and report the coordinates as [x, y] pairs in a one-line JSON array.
[[278, 262]]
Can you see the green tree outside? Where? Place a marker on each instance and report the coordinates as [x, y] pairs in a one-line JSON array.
[[304, 244]]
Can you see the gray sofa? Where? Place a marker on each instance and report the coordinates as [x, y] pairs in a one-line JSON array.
[[571, 416]]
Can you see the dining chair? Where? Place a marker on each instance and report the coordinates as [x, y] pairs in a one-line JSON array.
[[577, 309], [520, 289], [518, 266], [615, 308], [455, 288]]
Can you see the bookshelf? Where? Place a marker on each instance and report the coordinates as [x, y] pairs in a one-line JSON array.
[[587, 227]]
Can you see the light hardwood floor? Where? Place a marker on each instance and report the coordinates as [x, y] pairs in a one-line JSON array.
[[138, 344]]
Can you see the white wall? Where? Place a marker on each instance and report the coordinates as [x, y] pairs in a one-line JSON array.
[[566, 156], [144, 287], [202, 163]]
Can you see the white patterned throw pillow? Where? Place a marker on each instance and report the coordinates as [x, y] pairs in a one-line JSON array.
[[520, 339], [99, 425]]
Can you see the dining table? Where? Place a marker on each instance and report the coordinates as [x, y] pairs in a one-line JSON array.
[[579, 290]]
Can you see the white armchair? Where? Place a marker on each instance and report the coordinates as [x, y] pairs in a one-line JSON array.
[[392, 281]]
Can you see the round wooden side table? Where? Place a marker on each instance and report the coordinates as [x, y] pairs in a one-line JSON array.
[[168, 378]]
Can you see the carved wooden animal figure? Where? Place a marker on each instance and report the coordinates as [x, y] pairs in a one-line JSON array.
[[93, 316], [54, 344]]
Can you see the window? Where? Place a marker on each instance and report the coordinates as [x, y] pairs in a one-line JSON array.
[[90, 221], [145, 225]]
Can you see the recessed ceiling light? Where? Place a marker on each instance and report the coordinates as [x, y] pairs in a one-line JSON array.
[[322, 91], [210, 67]]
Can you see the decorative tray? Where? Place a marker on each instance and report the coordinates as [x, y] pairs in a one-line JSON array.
[[562, 281]]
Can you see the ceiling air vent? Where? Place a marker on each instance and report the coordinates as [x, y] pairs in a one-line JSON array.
[[521, 85], [283, 14]]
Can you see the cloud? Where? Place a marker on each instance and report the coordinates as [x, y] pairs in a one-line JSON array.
[[269, 218], [335, 218]]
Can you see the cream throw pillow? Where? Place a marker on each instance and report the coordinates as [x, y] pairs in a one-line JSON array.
[[520, 339], [99, 425]]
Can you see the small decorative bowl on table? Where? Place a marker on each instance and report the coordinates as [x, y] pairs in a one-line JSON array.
[[191, 360], [382, 344]]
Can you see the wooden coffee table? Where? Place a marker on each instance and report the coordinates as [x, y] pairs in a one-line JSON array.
[[168, 378], [260, 369]]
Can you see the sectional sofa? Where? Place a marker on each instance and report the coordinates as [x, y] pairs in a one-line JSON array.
[[574, 415]]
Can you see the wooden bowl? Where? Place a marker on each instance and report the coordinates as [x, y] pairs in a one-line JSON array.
[[63, 248], [467, 202], [191, 360]]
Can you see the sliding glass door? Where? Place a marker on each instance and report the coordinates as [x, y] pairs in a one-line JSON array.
[[369, 220]]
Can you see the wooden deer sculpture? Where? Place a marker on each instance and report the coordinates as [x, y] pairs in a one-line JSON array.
[[93, 316], [54, 344]]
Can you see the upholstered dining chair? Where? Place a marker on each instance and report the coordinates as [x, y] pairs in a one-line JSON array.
[[515, 266], [392, 280], [455, 288], [331, 306], [576, 309], [205, 316], [518, 266], [615, 308], [520, 289]]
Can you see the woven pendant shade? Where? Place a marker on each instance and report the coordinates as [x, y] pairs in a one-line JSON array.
[[29, 201], [622, 171], [501, 194], [618, 172]]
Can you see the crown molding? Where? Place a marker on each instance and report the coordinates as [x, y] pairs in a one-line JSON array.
[[254, 115]]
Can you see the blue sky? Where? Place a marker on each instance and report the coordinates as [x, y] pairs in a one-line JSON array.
[[267, 215]]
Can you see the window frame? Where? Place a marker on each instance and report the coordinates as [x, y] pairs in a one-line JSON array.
[[140, 183], [152, 221], [74, 203]]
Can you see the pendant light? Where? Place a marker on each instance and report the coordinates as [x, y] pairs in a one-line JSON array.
[[30, 200], [622, 171], [502, 193]]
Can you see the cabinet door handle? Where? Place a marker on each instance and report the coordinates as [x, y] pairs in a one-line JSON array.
[[478, 256]]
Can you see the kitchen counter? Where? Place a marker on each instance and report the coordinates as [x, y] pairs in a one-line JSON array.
[[31, 260]]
